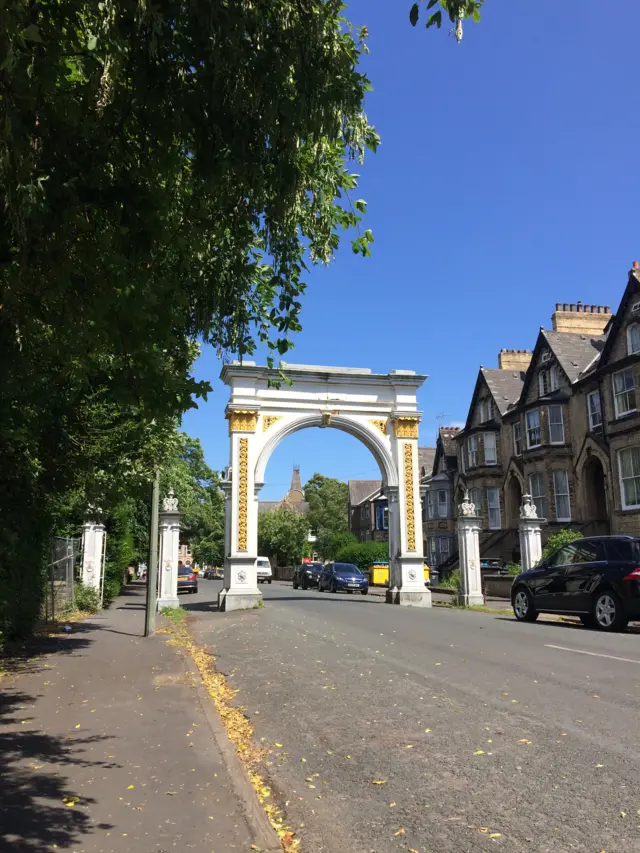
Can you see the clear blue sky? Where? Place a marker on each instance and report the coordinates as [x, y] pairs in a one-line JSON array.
[[507, 181]]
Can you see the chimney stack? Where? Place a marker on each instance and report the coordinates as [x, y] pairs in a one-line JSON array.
[[579, 319], [514, 359]]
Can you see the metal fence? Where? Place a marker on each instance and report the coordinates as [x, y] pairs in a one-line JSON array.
[[61, 575]]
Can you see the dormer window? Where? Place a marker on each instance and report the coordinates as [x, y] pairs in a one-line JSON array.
[[485, 411], [633, 338], [548, 380]]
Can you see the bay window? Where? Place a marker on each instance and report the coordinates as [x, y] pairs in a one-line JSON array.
[[442, 503], [556, 425], [629, 468], [561, 491], [533, 428], [537, 491], [490, 448], [624, 392], [594, 410], [472, 450], [493, 505]]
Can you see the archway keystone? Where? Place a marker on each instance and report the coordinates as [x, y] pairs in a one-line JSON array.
[[378, 409]]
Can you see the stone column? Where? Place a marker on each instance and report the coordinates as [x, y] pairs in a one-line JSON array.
[[169, 524], [406, 569], [469, 553], [240, 590], [530, 534], [93, 542]]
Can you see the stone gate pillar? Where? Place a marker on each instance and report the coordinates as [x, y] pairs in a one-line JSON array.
[[169, 524], [406, 558], [530, 534], [240, 589], [469, 553], [93, 542]]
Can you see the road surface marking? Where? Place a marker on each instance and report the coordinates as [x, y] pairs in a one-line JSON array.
[[593, 654]]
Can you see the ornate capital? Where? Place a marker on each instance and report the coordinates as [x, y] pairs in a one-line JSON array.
[[408, 496], [242, 420], [268, 421], [170, 503], [528, 508], [406, 426], [467, 509], [380, 423]]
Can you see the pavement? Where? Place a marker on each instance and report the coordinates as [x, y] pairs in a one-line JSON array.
[[106, 747], [436, 730]]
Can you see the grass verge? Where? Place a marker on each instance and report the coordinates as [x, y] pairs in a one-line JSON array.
[[238, 727]]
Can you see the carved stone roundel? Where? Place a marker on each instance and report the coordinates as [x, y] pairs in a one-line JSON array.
[[412, 574], [242, 576]]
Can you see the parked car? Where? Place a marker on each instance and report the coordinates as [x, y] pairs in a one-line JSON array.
[[596, 578], [343, 577], [263, 566], [187, 579], [307, 575], [209, 573]]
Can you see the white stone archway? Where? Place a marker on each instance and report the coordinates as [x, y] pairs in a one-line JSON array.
[[379, 409]]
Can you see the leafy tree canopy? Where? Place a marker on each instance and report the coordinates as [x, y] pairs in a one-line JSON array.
[[456, 10], [328, 511], [282, 535]]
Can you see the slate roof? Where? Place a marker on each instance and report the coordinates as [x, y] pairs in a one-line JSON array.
[[574, 352], [426, 456], [268, 506], [505, 386], [360, 490]]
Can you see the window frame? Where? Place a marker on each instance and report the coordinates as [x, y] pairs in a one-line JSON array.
[[542, 497], [494, 509], [439, 503], [430, 504], [630, 329], [495, 448], [621, 479], [594, 395], [550, 424], [478, 504], [517, 441], [443, 553], [472, 455], [529, 429], [619, 394], [557, 494], [544, 382]]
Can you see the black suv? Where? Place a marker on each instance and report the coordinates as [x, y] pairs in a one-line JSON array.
[[307, 575], [597, 579]]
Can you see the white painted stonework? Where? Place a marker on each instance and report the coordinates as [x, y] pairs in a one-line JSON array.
[[469, 526], [93, 542], [169, 525], [379, 409], [530, 534]]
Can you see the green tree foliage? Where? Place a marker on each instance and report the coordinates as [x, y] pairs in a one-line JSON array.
[[456, 10], [282, 536], [363, 554], [559, 540], [167, 173], [328, 518]]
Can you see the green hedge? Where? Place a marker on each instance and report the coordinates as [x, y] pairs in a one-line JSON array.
[[362, 554]]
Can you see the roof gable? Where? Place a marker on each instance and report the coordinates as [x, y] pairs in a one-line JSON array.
[[360, 490], [573, 353], [618, 323]]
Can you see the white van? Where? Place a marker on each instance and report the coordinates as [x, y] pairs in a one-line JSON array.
[[263, 567]]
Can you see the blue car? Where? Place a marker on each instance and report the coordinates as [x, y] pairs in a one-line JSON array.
[[343, 577]]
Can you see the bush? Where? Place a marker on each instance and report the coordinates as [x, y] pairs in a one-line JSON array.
[[513, 569], [362, 554], [86, 598], [451, 582], [558, 540], [112, 587]]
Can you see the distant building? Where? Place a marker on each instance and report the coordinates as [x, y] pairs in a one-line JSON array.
[[369, 506], [294, 499], [438, 515]]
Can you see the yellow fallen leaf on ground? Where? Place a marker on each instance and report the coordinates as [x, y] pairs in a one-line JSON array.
[[78, 726], [391, 805], [495, 835], [280, 745], [130, 788], [409, 746], [426, 731], [71, 801], [479, 752], [411, 850], [378, 781], [401, 831], [524, 740], [599, 765]]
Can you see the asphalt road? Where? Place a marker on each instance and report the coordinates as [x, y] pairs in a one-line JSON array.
[[487, 734]]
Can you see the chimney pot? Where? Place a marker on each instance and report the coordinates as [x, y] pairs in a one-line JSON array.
[[565, 307], [573, 306], [607, 309], [636, 265], [557, 306]]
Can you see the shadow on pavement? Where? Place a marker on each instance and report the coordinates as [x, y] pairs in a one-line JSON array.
[[571, 626], [34, 817]]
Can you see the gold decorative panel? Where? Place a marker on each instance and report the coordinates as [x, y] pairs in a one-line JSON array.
[[242, 420], [243, 489], [409, 498], [380, 424], [406, 427], [268, 421]]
